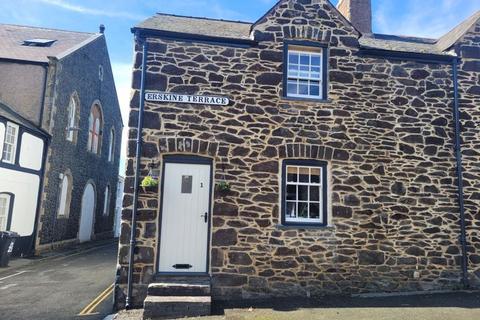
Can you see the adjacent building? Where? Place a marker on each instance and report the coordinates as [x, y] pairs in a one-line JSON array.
[[60, 83], [23, 147], [303, 155]]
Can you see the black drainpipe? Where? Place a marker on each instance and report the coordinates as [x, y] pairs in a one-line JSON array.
[[458, 156], [138, 154]]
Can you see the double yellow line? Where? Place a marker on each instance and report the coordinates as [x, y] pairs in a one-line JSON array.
[[89, 310]]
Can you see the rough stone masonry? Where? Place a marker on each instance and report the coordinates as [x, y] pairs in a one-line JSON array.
[[386, 132]]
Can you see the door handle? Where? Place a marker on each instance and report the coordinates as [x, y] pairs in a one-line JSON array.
[[205, 216]]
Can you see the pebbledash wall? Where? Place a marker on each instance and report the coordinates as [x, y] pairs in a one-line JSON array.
[[386, 131]]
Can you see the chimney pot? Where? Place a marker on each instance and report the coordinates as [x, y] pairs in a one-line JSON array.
[[102, 28], [358, 12]]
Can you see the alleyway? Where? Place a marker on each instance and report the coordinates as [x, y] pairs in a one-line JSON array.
[[61, 287]]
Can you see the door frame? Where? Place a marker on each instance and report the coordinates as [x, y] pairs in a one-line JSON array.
[[185, 159], [94, 214]]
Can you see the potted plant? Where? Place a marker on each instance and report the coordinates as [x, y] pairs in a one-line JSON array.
[[149, 184], [223, 187]]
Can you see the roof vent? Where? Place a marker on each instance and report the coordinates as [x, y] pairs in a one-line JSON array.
[[38, 42]]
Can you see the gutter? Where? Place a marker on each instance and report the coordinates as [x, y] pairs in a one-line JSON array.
[[404, 55], [458, 156], [199, 38], [133, 227]]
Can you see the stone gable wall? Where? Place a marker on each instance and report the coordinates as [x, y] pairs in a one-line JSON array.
[[386, 132], [469, 89], [79, 73]]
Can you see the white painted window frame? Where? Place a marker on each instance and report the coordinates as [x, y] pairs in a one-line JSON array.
[[309, 78], [111, 146], [106, 201], [297, 183], [6, 211], [63, 207], [13, 145], [72, 112]]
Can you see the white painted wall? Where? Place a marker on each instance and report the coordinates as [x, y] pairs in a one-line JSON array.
[[25, 188], [31, 152], [2, 137], [118, 206]]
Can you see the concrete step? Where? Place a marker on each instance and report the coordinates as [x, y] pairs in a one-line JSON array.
[[176, 307], [179, 289]]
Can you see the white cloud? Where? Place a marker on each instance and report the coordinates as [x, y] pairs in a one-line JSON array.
[[84, 10]]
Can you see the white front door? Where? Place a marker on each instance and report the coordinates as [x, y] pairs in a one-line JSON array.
[[185, 218], [86, 218]]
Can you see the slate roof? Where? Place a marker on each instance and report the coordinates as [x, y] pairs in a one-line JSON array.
[[8, 113], [449, 39], [198, 26], [241, 30], [401, 44], [13, 36]]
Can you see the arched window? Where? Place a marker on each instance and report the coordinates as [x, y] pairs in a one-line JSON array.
[[5, 200], [72, 124], [65, 195], [111, 146], [95, 124], [106, 201]]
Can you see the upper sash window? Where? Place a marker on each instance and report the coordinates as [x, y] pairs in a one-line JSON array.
[[305, 73], [10, 143]]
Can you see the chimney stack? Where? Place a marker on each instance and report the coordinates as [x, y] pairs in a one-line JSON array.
[[358, 12]]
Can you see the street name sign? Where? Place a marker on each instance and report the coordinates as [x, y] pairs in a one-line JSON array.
[[185, 98]]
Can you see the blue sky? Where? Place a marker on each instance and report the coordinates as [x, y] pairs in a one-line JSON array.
[[424, 18]]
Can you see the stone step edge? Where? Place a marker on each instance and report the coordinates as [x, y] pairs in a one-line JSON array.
[[162, 289], [178, 299]]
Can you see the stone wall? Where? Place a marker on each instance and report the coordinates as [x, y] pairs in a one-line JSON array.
[[386, 132], [79, 73], [469, 49]]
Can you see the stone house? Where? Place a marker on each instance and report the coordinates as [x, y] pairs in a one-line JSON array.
[[301, 155], [61, 83]]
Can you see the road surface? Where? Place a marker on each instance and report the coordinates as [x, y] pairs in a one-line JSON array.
[[74, 286]]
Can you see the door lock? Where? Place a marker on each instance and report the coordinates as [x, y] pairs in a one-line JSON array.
[[205, 216]]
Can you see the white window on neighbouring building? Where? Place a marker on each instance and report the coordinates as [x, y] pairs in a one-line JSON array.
[[304, 192], [95, 129], [71, 125], [305, 72], [106, 201], [10, 143], [4, 211], [65, 195], [111, 146]]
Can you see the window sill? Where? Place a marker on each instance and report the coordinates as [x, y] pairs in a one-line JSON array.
[[307, 99], [304, 226]]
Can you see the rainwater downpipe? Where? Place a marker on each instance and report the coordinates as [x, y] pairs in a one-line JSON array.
[[138, 155], [458, 156]]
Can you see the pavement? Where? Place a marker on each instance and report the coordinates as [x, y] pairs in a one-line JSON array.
[[461, 305], [74, 283]]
